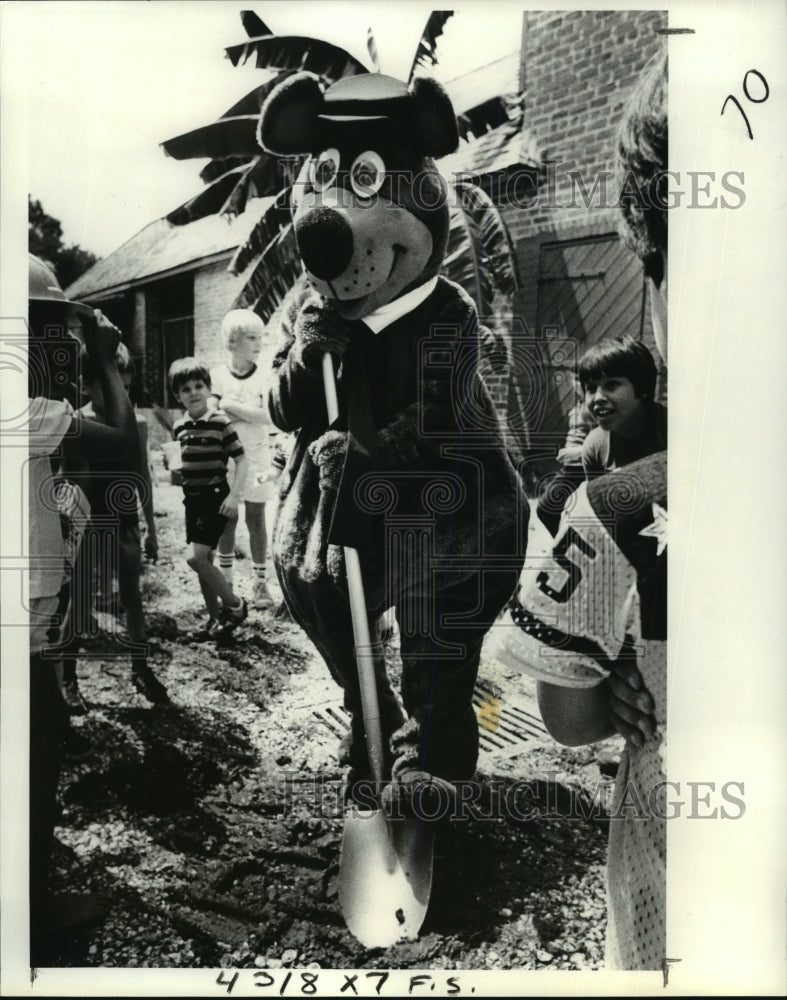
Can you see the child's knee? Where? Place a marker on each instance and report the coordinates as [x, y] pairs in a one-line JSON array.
[[195, 560], [255, 517]]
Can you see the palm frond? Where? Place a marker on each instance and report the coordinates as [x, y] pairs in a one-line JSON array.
[[461, 262], [297, 52], [261, 177], [426, 51], [479, 256], [235, 136], [278, 270], [217, 140], [371, 48], [497, 252], [252, 103], [209, 201], [253, 25], [217, 168], [275, 218]]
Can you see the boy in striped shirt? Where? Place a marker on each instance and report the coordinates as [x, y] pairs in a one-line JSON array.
[[207, 439]]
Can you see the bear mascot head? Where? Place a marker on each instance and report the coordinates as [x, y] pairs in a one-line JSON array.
[[414, 473], [370, 212]]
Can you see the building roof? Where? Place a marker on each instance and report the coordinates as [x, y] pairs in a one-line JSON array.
[[499, 150], [481, 84], [161, 248]]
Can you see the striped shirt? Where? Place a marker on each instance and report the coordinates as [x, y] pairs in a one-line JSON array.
[[205, 446]]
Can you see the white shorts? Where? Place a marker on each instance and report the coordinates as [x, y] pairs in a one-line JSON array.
[[256, 489]]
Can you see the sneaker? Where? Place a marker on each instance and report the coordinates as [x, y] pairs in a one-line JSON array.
[[149, 686], [205, 632], [261, 595], [230, 618], [75, 703]]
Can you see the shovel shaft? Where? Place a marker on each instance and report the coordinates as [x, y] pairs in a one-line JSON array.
[[364, 656]]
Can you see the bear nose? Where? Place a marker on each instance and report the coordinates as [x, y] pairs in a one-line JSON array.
[[325, 242]]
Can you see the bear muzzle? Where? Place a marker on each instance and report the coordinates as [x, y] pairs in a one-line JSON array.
[[325, 242]]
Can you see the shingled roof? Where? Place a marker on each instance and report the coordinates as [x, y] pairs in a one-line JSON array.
[[161, 248]]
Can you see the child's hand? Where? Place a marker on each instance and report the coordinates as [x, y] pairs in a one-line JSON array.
[[631, 704], [151, 548], [101, 338], [229, 507]]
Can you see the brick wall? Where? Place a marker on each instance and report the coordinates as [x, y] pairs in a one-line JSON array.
[[215, 289], [578, 68]]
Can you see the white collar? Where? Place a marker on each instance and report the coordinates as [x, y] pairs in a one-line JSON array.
[[391, 311]]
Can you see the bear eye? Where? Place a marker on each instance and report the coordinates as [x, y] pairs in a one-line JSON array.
[[324, 169], [367, 174]]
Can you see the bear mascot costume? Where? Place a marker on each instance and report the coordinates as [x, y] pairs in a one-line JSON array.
[[414, 473]]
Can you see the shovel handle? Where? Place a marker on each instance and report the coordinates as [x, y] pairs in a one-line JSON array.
[[364, 657]]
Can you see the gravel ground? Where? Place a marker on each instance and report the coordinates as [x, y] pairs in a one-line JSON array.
[[213, 826]]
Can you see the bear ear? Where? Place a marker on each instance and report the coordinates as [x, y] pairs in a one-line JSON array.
[[289, 117], [434, 121]]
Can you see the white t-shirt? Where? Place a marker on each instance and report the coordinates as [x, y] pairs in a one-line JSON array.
[[250, 389]]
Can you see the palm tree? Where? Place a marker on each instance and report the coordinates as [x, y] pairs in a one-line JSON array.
[[479, 256]]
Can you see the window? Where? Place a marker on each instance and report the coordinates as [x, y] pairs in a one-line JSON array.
[[170, 332]]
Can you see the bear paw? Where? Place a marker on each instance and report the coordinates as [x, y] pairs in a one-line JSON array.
[[320, 330], [328, 453]]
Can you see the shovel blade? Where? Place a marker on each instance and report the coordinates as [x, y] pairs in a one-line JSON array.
[[385, 877]]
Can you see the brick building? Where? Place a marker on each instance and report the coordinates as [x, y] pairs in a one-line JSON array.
[[559, 94]]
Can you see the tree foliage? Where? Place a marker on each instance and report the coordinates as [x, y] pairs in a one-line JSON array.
[[45, 240]]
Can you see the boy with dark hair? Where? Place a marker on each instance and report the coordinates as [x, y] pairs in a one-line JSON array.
[[618, 378], [207, 439], [111, 486]]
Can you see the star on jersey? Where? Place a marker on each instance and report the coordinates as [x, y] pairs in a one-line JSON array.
[[658, 529]]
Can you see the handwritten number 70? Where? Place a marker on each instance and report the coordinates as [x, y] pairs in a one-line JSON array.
[[754, 100]]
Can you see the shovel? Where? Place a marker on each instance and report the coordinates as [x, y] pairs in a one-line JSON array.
[[385, 869]]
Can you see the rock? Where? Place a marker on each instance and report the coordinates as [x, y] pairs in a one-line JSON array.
[[260, 961], [505, 912], [544, 956], [578, 958], [284, 759], [272, 963], [288, 956]]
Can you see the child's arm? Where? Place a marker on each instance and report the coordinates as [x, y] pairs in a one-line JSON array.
[[239, 411], [229, 507], [118, 436]]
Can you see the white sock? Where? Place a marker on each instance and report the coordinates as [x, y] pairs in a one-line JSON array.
[[226, 563]]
